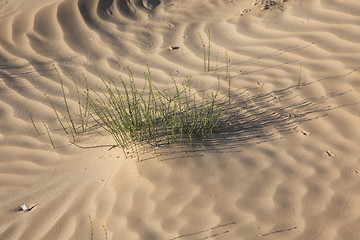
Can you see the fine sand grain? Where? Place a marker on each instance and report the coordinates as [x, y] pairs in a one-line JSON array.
[[287, 168]]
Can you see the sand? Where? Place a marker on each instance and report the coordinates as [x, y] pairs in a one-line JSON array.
[[289, 169]]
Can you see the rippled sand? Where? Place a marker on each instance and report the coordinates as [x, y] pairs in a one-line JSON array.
[[289, 168]]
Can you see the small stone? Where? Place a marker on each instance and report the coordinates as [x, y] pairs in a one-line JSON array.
[[26, 208], [329, 153], [172, 48], [305, 133]]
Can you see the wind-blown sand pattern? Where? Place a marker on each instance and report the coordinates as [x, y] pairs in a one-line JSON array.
[[288, 168]]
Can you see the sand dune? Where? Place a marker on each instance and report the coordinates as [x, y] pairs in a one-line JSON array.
[[287, 168]]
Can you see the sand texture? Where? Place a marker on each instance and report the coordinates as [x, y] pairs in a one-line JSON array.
[[287, 168]]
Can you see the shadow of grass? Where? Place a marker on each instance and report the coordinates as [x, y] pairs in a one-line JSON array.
[[257, 119]]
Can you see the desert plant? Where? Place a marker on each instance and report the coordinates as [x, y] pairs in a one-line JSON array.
[[49, 135], [228, 77], [300, 71], [136, 116], [105, 232], [91, 229], [32, 120], [259, 230], [206, 51]]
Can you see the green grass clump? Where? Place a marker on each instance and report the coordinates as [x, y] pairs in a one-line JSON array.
[[136, 116]]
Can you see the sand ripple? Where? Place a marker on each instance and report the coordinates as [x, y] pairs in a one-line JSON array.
[[288, 169]]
